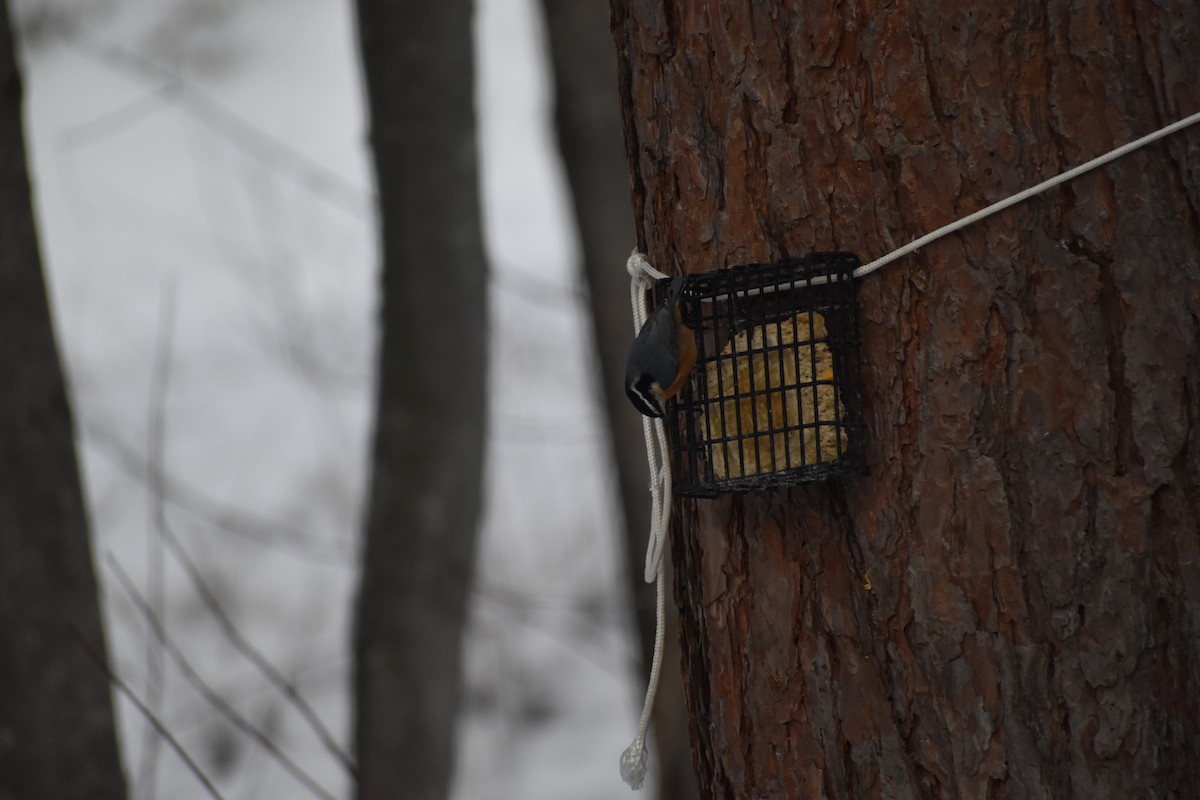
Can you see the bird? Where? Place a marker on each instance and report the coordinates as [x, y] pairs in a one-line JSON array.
[[661, 357]]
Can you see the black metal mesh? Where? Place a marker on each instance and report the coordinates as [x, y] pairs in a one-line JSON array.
[[776, 395]]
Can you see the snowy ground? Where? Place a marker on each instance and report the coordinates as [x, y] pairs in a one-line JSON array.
[[206, 220]]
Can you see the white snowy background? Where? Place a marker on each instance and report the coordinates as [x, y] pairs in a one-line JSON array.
[[205, 202]]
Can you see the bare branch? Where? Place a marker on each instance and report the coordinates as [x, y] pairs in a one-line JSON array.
[[273, 153], [156, 438], [117, 120], [130, 695], [243, 646], [278, 536], [207, 692]]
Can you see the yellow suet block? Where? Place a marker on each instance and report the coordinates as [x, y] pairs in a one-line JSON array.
[[772, 406]]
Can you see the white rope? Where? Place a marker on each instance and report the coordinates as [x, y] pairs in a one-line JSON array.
[[639, 268], [653, 429], [970, 219], [641, 277], [633, 760], [996, 208]]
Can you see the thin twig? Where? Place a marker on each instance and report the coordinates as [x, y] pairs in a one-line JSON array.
[[272, 152], [155, 444], [207, 692], [243, 646], [279, 537], [132, 697], [116, 120]]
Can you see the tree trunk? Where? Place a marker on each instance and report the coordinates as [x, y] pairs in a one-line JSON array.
[[1009, 605], [424, 505], [57, 737], [587, 116]]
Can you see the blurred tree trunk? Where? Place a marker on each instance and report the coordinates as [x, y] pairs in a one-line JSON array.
[[57, 738], [424, 503], [1009, 606], [588, 123]]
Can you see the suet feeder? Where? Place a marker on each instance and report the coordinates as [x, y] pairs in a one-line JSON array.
[[776, 395]]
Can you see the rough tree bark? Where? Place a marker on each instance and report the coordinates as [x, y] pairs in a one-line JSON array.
[[424, 504], [1009, 605], [57, 737], [587, 117]]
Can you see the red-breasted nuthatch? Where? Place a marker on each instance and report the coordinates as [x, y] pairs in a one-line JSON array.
[[661, 356]]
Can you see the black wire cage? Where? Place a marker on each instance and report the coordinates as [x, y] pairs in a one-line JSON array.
[[776, 395]]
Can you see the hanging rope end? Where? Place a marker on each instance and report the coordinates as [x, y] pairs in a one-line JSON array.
[[633, 764]]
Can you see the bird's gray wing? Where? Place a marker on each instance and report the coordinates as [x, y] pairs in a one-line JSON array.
[[647, 354]]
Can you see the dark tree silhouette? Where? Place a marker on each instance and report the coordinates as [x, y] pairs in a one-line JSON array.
[[424, 504], [56, 719], [587, 117], [1009, 605]]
